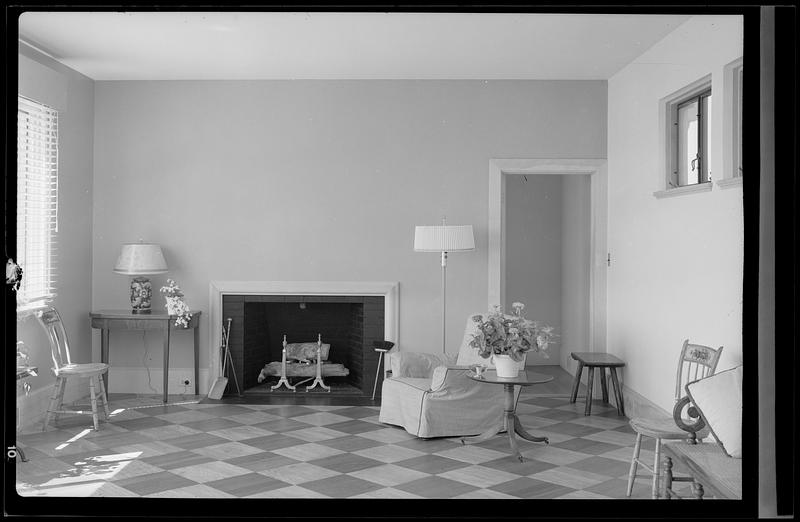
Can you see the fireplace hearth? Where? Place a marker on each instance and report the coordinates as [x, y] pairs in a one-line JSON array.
[[349, 323]]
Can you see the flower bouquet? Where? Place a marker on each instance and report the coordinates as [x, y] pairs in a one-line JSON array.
[[506, 337], [175, 304]]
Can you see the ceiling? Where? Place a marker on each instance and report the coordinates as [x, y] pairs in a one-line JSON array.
[[319, 45]]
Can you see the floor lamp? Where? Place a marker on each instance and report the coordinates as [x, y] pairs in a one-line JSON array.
[[444, 238]]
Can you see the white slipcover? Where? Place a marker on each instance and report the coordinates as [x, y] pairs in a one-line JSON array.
[[430, 395]]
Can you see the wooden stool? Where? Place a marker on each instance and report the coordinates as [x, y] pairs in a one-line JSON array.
[[602, 361]]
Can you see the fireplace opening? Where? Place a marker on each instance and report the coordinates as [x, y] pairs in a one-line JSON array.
[[349, 324]]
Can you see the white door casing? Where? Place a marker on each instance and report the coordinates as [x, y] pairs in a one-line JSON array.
[[596, 169]]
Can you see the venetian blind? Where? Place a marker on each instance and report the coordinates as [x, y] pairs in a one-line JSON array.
[[37, 198]]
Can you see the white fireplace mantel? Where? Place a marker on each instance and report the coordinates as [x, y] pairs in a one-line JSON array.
[[389, 290]]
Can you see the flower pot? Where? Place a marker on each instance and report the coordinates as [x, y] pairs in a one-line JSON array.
[[505, 366]]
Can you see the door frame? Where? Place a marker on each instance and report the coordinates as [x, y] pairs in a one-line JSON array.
[[596, 169]]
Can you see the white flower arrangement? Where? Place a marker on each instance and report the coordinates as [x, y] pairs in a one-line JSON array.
[[175, 304]]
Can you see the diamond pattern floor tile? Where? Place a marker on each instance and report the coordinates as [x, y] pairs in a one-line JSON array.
[[436, 487], [479, 476], [388, 474], [299, 473]]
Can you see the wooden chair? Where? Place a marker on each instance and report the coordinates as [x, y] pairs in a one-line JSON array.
[[696, 362], [64, 368]]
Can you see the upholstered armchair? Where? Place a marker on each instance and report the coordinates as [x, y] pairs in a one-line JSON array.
[[430, 395]]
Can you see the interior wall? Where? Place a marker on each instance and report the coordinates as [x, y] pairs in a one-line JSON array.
[[316, 180], [46, 81], [576, 258], [676, 263], [533, 252]]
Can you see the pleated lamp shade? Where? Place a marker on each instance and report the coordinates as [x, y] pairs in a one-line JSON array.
[[443, 238], [141, 259]]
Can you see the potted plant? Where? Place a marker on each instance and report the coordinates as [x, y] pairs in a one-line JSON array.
[[506, 337]]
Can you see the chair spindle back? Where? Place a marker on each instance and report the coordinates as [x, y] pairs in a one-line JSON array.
[[50, 320], [696, 362]]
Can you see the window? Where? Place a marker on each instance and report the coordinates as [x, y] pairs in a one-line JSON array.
[[685, 137], [732, 98], [691, 118], [738, 89], [37, 199]]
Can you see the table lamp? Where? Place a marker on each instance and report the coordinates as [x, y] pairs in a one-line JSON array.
[[444, 238], [140, 259]]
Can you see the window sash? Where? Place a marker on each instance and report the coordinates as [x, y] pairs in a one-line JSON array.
[[693, 171], [37, 199], [739, 93]]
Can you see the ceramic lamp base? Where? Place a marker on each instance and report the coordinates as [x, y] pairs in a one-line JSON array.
[[141, 291]]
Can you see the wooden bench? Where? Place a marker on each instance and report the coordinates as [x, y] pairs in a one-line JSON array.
[[710, 470], [708, 467]]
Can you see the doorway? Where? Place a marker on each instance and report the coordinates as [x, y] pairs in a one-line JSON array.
[[547, 248]]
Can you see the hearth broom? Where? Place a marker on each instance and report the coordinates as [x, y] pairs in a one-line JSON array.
[[219, 385]]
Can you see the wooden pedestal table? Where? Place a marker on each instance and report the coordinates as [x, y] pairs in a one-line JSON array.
[[107, 320], [512, 425]]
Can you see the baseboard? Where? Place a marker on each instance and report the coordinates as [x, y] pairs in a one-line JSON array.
[[637, 405], [32, 407]]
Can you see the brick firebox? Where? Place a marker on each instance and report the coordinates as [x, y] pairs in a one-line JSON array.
[[349, 323]]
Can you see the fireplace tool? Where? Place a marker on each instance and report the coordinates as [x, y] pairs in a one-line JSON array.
[[222, 381]]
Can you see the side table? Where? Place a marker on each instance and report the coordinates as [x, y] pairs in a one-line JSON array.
[[107, 320], [512, 424], [602, 361]]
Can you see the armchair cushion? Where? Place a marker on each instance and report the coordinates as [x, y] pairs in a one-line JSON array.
[[719, 399], [414, 364]]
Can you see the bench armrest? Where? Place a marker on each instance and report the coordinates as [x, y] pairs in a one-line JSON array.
[[693, 422]]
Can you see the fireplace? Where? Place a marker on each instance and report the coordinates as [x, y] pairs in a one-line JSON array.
[[350, 324], [350, 316]]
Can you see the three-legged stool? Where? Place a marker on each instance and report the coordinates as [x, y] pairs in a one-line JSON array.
[[602, 361]]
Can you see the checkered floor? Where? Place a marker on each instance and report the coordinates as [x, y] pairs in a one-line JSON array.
[[221, 450]]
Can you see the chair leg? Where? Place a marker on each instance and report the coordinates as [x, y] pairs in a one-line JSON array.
[[103, 395], [52, 406], [667, 478], [656, 468], [56, 401], [697, 490], [94, 404], [634, 463]]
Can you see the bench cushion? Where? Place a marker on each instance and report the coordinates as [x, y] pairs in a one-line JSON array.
[[719, 399]]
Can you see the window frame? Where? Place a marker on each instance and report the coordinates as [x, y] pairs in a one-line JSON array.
[[703, 146], [37, 200], [668, 139], [732, 150]]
